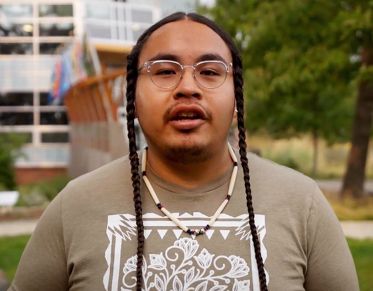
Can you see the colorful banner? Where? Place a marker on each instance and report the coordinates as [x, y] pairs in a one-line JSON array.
[[74, 64]]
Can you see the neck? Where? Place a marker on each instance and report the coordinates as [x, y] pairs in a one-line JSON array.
[[190, 175]]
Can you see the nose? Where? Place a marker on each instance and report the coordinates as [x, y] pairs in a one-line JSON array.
[[188, 86]]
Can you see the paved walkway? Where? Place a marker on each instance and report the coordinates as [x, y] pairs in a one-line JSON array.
[[358, 229], [353, 229], [336, 185], [17, 227]]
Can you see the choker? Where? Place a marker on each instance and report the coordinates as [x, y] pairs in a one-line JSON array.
[[192, 232]]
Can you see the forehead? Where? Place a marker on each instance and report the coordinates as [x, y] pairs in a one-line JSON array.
[[185, 39]]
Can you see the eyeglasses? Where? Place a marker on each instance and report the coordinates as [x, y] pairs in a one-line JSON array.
[[166, 74]]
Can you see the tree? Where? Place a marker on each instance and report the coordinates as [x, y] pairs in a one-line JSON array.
[[301, 64], [10, 145], [362, 24]]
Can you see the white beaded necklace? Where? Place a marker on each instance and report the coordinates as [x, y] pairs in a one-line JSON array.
[[192, 232]]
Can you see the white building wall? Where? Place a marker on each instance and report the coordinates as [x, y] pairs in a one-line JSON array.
[[29, 73]]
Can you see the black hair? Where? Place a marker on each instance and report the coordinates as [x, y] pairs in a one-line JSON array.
[[132, 74]]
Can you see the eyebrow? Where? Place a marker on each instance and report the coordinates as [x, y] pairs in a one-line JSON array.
[[204, 57], [169, 57], [211, 57]]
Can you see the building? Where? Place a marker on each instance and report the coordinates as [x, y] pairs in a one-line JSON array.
[[33, 33]]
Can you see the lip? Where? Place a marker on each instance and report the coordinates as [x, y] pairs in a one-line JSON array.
[[173, 116]]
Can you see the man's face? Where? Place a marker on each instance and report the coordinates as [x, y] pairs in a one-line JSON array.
[[186, 120]]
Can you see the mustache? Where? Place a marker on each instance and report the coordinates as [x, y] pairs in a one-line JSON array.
[[193, 107]]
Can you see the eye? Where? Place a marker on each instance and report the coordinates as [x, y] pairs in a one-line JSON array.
[[164, 69], [211, 69], [209, 72], [164, 72]]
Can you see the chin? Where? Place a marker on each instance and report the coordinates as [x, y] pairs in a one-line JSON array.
[[187, 152]]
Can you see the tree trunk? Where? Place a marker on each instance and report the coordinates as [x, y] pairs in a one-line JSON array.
[[315, 158], [353, 182]]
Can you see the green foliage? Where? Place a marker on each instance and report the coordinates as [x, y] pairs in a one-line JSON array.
[[301, 61], [285, 158], [10, 145], [352, 209], [42, 192], [52, 187], [362, 252], [366, 74], [11, 249]]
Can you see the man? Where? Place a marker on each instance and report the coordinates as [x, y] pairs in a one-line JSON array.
[[193, 226]]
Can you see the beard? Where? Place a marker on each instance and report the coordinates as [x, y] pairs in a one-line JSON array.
[[187, 154]]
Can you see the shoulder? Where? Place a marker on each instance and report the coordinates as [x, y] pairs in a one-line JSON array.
[[113, 172], [268, 174], [109, 182], [281, 192]]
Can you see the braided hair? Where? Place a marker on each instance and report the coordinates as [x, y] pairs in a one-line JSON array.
[[132, 75]]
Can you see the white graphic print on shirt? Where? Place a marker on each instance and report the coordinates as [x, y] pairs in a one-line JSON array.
[[183, 265]]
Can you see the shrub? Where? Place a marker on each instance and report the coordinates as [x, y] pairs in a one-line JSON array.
[[10, 149], [41, 192]]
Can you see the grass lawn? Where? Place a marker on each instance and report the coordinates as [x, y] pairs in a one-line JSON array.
[[11, 249], [350, 209], [362, 250]]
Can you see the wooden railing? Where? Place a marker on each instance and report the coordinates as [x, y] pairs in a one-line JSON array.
[[96, 133]]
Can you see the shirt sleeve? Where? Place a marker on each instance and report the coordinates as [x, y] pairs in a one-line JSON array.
[[43, 262], [330, 264]]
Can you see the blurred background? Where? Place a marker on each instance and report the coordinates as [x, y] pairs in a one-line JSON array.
[[308, 72], [47, 48]]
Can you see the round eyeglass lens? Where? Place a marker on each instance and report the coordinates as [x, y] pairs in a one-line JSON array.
[[165, 74], [211, 74]]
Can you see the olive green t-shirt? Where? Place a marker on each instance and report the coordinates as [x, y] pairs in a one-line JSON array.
[[87, 237]]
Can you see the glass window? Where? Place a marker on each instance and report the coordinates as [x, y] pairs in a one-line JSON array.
[[16, 49], [22, 137], [44, 99], [16, 29], [16, 10], [16, 118], [55, 137], [16, 99], [142, 16], [57, 117], [49, 48], [98, 10], [137, 32], [61, 10], [3, 31], [56, 29], [98, 31]]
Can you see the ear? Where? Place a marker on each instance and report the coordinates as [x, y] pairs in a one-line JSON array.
[[235, 110]]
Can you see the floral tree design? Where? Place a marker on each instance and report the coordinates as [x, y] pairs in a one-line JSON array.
[[184, 266]]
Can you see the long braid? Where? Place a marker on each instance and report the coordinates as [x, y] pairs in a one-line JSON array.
[[132, 74], [238, 87], [238, 84], [134, 159]]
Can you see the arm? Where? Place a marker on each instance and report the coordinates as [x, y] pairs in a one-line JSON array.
[[330, 264], [43, 262]]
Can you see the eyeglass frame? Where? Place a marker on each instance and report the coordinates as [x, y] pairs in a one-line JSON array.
[[147, 65]]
